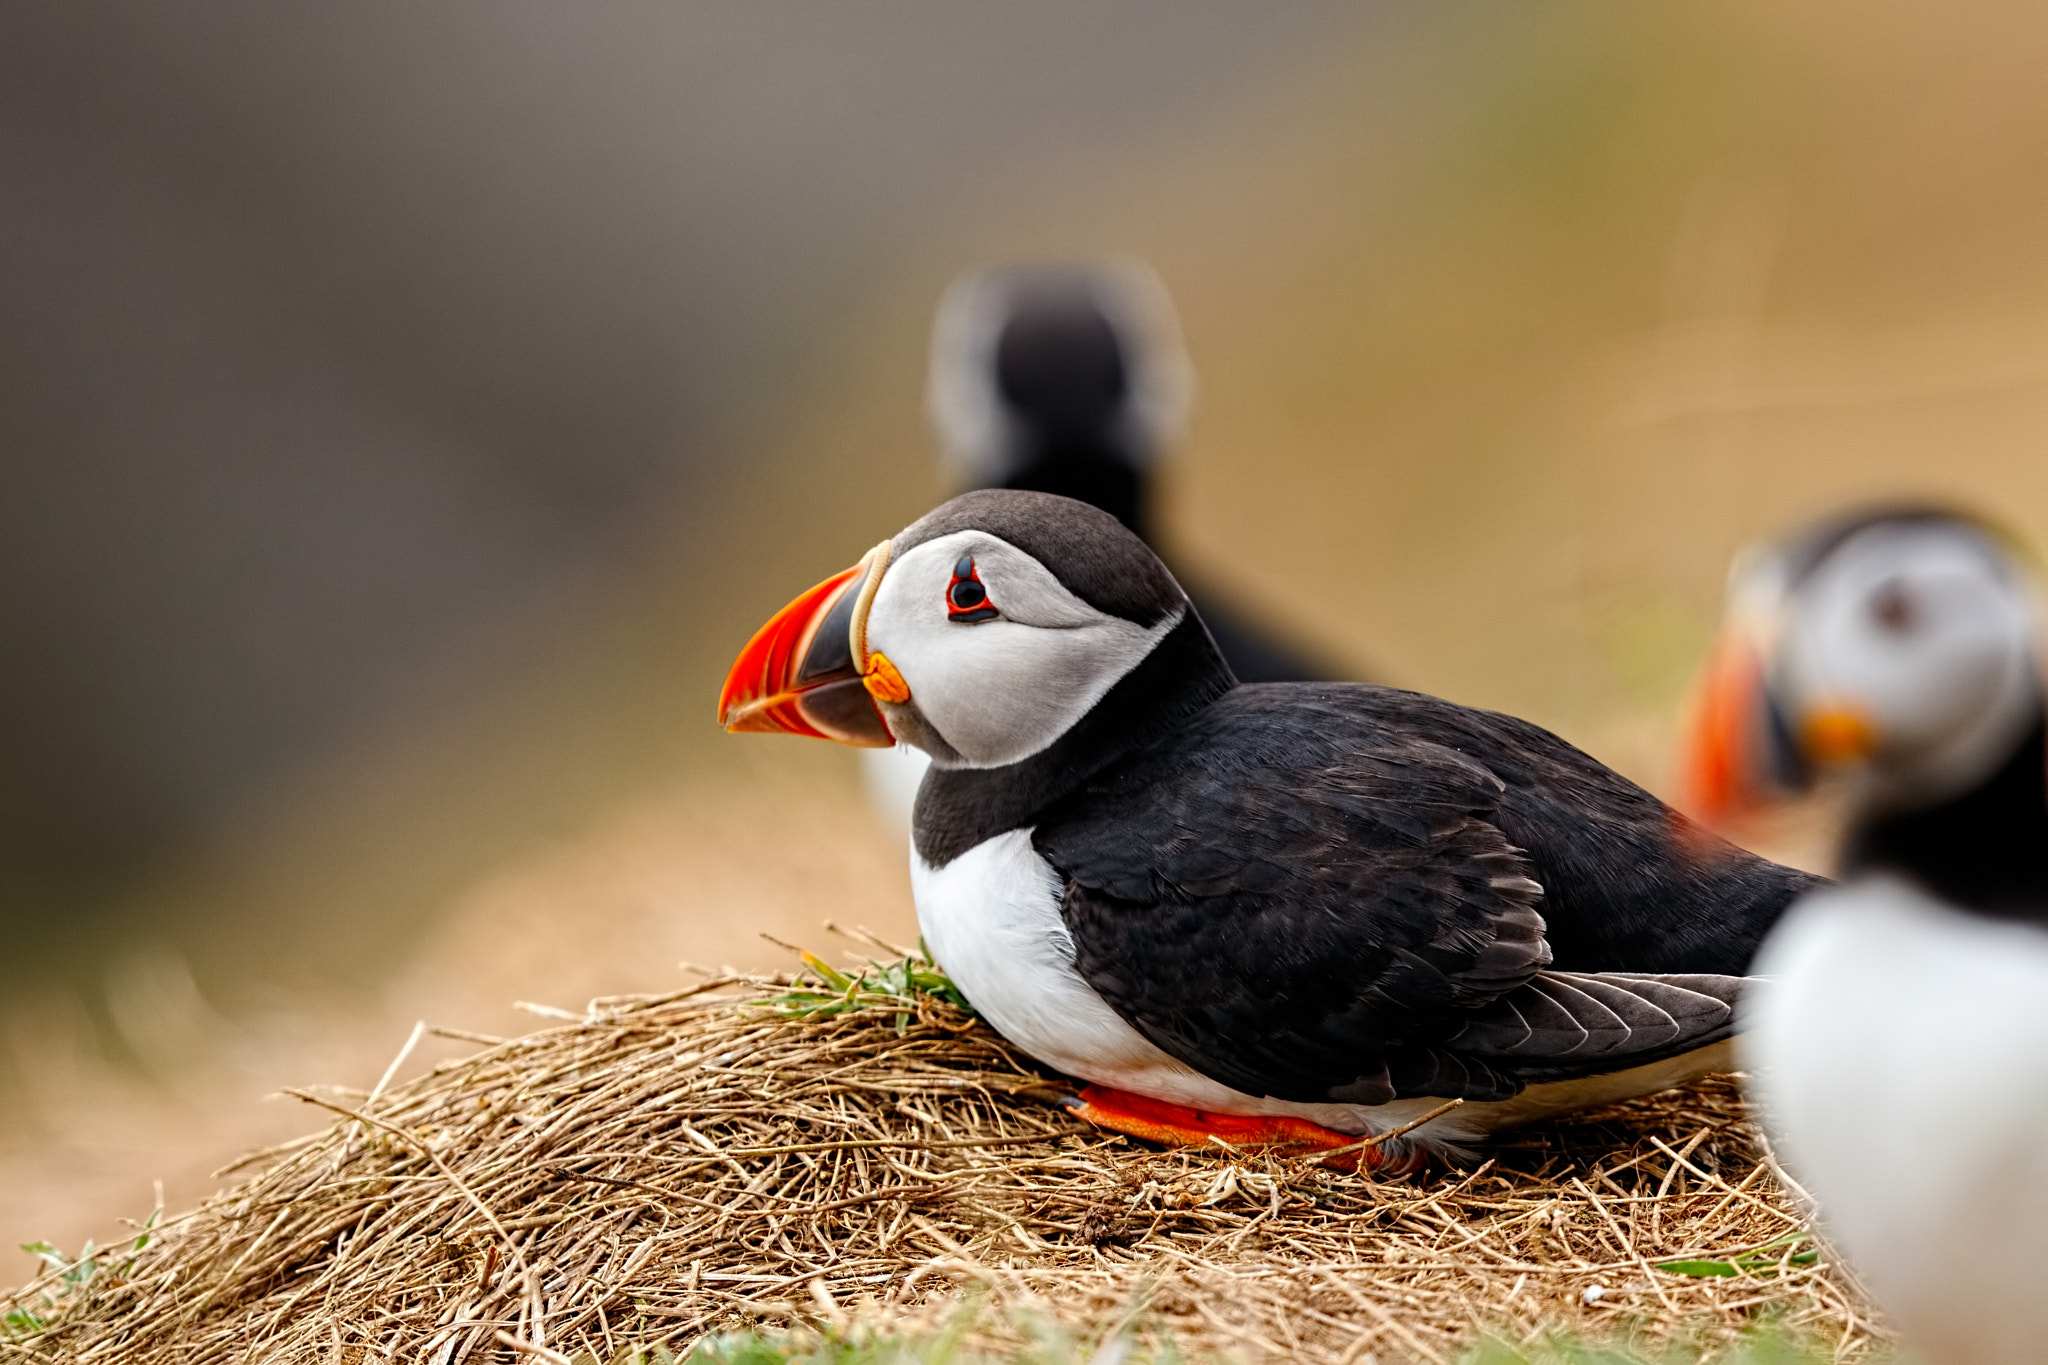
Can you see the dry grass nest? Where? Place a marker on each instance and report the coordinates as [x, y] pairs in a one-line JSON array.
[[826, 1155]]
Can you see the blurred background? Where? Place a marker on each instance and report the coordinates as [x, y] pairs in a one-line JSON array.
[[406, 412]]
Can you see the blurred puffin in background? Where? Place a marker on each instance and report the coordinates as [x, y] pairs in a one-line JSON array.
[[1898, 1037], [1295, 912], [1069, 378]]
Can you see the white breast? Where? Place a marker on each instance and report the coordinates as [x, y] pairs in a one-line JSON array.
[[1900, 1055], [991, 918]]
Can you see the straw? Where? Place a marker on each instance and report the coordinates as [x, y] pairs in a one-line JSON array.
[[811, 1151]]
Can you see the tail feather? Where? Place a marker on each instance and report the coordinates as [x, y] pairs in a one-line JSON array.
[[1581, 1023]]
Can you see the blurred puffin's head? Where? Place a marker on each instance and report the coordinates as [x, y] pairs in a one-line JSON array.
[[1059, 378], [981, 634], [1898, 647]]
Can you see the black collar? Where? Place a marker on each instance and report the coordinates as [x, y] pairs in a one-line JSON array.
[[958, 808], [1986, 850]]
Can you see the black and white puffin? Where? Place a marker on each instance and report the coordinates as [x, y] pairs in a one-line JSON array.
[[1071, 377], [1253, 909], [1897, 1039]]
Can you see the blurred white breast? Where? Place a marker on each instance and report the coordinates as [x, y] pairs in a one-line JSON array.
[[892, 777], [1899, 1051]]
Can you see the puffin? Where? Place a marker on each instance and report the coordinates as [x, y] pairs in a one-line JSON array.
[[1302, 913], [1070, 377], [1896, 1039]]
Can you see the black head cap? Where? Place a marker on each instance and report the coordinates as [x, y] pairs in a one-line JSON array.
[[1809, 548], [1059, 361], [1089, 551]]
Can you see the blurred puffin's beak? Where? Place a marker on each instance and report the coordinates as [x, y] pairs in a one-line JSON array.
[[1836, 736], [1726, 770], [809, 671], [1740, 751]]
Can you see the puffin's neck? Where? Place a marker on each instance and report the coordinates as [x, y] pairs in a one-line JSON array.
[[1984, 850], [958, 808], [1088, 469]]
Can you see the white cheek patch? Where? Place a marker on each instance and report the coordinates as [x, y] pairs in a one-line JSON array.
[[1001, 690], [1947, 688]]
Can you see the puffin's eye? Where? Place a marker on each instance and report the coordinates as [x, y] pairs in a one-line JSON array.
[[1893, 608], [966, 599]]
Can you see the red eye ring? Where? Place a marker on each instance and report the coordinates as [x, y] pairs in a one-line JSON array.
[[967, 601]]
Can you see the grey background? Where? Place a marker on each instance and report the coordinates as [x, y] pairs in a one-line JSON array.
[[329, 330]]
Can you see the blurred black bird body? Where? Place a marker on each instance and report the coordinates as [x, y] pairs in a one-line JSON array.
[[1072, 379]]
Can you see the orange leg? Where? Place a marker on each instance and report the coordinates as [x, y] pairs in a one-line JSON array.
[[1178, 1126]]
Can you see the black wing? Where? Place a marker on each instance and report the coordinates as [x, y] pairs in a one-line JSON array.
[[1630, 885], [1304, 906]]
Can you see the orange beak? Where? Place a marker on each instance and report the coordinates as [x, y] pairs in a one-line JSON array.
[[809, 671], [1726, 773]]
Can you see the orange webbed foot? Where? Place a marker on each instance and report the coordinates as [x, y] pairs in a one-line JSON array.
[[1178, 1126]]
